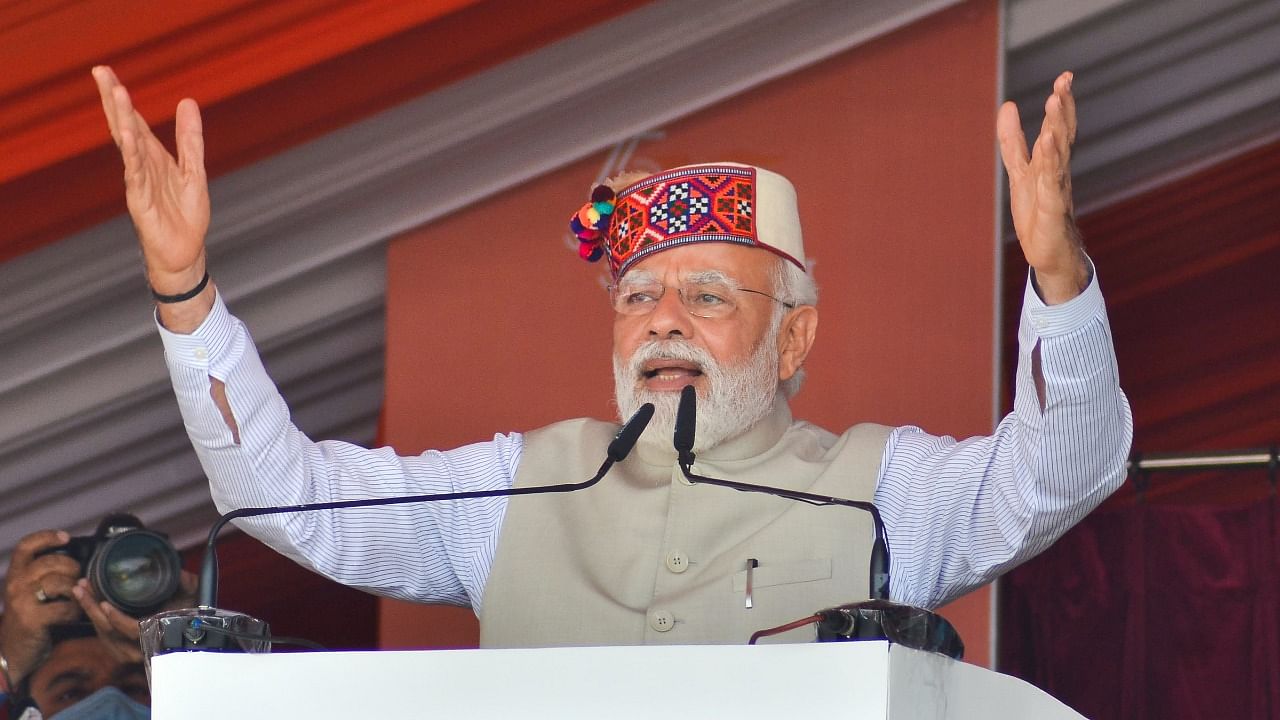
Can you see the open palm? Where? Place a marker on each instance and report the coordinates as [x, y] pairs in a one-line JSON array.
[[168, 198], [1040, 193]]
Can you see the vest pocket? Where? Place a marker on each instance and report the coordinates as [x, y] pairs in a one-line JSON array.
[[785, 572]]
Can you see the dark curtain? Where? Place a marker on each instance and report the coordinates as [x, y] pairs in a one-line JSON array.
[[1150, 611]]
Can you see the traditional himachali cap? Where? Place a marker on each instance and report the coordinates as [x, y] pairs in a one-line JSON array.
[[718, 202]]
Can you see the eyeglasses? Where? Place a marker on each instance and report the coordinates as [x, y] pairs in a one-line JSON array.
[[714, 300]]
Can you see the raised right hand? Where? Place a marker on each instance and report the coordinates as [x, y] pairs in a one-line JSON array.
[[168, 199]]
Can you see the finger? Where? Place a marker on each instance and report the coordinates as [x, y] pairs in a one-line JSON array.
[[131, 147], [91, 606], [1050, 188], [127, 116], [126, 626], [1062, 87], [58, 611], [1055, 123], [106, 81], [145, 158], [128, 121], [137, 178], [50, 564], [25, 551], [131, 122], [189, 136], [55, 586], [1045, 160], [143, 130], [1013, 142]]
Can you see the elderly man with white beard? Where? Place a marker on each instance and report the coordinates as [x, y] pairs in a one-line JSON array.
[[710, 291]]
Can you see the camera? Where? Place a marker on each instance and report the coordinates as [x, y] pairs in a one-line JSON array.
[[129, 566]]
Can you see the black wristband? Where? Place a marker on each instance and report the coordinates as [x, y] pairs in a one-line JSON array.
[[170, 299]]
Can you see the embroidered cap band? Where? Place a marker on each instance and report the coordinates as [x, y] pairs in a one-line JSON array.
[[721, 202]]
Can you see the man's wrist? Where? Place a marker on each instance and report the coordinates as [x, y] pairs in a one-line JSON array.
[[184, 316], [183, 296], [1055, 288], [1049, 321]]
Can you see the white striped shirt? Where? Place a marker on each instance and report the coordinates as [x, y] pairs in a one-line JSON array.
[[957, 513]]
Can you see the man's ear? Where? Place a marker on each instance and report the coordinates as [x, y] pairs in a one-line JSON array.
[[795, 339]]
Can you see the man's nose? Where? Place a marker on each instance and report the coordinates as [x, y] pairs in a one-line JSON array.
[[670, 318]]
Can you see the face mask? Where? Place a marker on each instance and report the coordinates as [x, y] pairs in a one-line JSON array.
[[106, 704]]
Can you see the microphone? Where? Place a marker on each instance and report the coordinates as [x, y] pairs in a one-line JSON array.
[[686, 424], [686, 419], [207, 627]]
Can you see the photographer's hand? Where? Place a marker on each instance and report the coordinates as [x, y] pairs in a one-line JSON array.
[[118, 631], [37, 594]]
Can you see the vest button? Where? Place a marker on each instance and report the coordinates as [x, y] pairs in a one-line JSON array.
[[661, 620], [677, 562]]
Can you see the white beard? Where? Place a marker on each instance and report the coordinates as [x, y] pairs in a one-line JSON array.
[[736, 398]]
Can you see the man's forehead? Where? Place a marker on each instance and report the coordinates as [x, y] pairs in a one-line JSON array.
[[79, 656], [79, 647], [706, 262], [640, 277]]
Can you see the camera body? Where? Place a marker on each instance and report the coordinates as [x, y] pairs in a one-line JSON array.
[[129, 566]]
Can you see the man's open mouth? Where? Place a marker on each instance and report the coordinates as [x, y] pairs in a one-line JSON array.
[[668, 370]]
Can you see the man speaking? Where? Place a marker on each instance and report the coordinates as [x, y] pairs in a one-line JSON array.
[[710, 290]]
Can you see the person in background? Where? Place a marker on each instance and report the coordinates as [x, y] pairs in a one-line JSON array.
[[63, 652]]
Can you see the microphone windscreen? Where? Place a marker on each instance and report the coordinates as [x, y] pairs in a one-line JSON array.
[[686, 420], [630, 433]]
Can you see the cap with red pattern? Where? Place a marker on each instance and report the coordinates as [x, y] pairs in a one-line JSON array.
[[718, 202]]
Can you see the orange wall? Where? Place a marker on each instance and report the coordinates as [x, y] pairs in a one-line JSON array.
[[493, 324]]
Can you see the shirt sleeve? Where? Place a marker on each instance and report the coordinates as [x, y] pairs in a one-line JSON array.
[[436, 552], [958, 514]]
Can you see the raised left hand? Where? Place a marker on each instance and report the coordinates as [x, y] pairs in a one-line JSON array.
[[1040, 194]]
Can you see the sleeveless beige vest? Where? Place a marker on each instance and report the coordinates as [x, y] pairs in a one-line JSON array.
[[646, 558]]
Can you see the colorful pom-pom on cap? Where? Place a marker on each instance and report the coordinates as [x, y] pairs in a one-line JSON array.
[[603, 193], [591, 223]]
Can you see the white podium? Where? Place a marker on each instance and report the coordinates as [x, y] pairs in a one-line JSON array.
[[828, 680]]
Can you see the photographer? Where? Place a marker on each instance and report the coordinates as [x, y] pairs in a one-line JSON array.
[[61, 645]]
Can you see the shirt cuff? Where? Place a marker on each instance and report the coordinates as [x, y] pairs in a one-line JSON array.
[[205, 347], [1064, 318]]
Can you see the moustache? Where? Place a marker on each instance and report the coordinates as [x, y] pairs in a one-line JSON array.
[[671, 349]]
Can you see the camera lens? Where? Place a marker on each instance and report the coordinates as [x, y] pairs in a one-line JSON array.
[[137, 571]]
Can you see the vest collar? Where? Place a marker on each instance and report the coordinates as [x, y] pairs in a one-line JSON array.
[[763, 435]]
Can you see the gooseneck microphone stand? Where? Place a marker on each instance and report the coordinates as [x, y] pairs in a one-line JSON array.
[[206, 627], [686, 421], [618, 450]]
